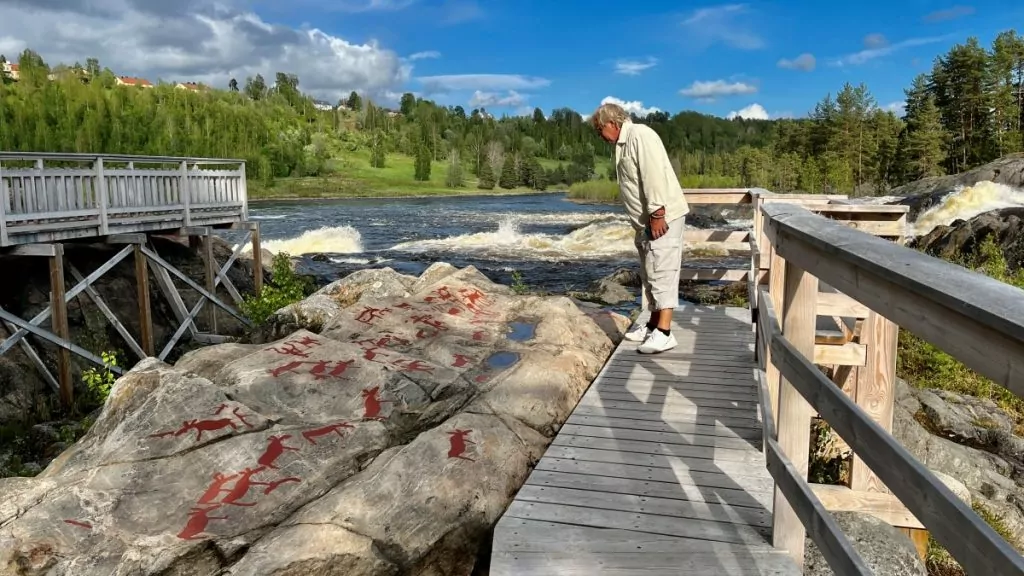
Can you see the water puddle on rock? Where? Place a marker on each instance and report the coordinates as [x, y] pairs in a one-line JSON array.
[[521, 331], [502, 360]]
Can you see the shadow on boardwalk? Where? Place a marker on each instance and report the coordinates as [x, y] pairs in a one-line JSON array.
[[658, 470]]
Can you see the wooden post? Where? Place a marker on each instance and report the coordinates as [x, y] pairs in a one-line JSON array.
[[59, 325], [799, 301], [185, 190], [5, 207], [211, 278], [145, 313], [101, 196], [776, 286], [257, 258]]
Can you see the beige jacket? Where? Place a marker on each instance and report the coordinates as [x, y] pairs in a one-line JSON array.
[[646, 179]]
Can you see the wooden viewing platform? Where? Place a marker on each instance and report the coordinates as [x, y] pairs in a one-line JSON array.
[[50, 202], [695, 461]]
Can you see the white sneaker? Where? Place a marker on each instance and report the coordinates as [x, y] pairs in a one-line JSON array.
[[638, 333], [658, 341]]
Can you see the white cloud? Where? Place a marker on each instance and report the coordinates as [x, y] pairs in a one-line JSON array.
[[875, 40], [725, 24], [197, 40], [512, 99], [372, 5], [633, 106], [708, 90], [805, 62], [868, 54], [898, 108], [949, 14], [485, 82], [424, 55], [753, 112], [634, 67]]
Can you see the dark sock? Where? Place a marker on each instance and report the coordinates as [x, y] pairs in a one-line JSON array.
[[663, 331], [651, 326]]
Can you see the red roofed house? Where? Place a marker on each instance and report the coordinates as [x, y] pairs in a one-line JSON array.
[[138, 82], [12, 70], [189, 86]]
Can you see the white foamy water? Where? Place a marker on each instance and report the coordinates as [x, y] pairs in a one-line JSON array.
[[329, 239], [965, 203], [603, 238]]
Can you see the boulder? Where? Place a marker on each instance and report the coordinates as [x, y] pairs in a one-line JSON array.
[[929, 432], [963, 237], [885, 550], [387, 443]]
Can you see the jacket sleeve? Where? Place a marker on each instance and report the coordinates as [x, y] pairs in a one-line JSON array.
[[656, 175]]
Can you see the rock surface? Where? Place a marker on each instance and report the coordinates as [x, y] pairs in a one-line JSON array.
[[1005, 226], [388, 443], [925, 193], [885, 550], [931, 425]]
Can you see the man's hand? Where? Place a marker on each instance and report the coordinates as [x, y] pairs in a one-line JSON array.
[[658, 227]]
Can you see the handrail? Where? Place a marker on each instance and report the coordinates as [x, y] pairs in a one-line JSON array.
[[975, 318], [84, 157]]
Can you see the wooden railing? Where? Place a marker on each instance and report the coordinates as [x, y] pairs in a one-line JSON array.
[[845, 264], [53, 197]]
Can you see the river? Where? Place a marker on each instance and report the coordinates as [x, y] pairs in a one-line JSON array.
[[555, 244]]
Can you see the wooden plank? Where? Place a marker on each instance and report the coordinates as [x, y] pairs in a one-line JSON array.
[[883, 506], [609, 432], [718, 197], [745, 455], [257, 259], [728, 236], [707, 377], [794, 416], [587, 496], [683, 429], [646, 393], [678, 415], [101, 305], [675, 404], [210, 266], [849, 354], [837, 304], [792, 487], [875, 391], [59, 325], [653, 523], [976, 319], [972, 542], [705, 274]]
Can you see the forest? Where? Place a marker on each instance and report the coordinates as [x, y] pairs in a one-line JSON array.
[[966, 111]]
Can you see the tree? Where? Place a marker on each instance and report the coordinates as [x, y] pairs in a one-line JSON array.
[[378, 154], [256, 88], [486, 177], [454, 179], [922, 147], [233, 85], [508, 179], [422, 164], [354, 102]]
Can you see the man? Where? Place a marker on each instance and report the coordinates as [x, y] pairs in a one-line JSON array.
[[656, 207]]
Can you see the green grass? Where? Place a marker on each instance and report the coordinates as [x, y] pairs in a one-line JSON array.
[[351, 176], [608, 190]]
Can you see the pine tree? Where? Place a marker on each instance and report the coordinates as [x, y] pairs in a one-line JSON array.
[[354, 102], [509, 178], [485, 179], [378, 154]]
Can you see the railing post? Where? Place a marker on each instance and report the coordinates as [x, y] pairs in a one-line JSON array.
[[186, 193], [101, 196], [799, 300], [257, 259], [59, 325], [244, 192], [5, 205], [776, 286]]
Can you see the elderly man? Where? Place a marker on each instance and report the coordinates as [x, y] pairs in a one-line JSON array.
[[656, 207]]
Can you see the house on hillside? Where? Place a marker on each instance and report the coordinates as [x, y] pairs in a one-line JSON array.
[[137, 82], [321, 105], [194, 87], [12, 70]]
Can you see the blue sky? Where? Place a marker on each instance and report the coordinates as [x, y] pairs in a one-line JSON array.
[[773, 59], [725, 56]]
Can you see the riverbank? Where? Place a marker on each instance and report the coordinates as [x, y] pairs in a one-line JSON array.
[[351, 176], [607, 191]]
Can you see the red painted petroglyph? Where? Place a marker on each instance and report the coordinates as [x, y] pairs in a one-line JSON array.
[[207, 425], [411, 365], [321, 369], [275, 448], [460, 361], [404, 306], [309, 435], [289, 367], [457, 444], [443, 294], [479, 335], [79, 523], [296, 347], [429, 320], [372, 403], [369, 314], [198, 519], [481, 378], [426, 333], [475, 300]]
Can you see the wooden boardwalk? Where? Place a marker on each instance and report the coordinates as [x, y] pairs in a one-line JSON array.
[[659, 469]]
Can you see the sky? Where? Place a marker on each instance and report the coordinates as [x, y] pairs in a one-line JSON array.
[[756, 59]]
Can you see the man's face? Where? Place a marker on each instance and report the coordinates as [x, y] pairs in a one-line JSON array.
[[610, 132]]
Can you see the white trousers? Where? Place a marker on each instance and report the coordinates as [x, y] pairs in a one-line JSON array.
[[660, 261]]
